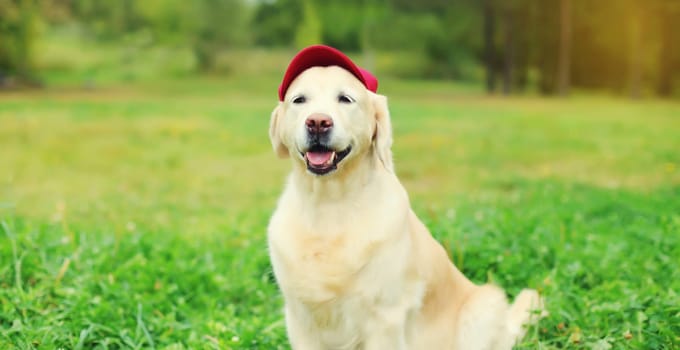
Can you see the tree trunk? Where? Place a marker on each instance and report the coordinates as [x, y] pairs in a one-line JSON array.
[[205, 56], [664, 86], [489, 47], [524, 31], [635, 58], [564, 58], [365, 39], [546, 43], [509, 54]]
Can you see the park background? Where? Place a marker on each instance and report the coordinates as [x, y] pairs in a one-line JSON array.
[[538, 140]]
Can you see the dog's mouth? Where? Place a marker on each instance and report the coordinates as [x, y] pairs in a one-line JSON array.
[[322, 160]]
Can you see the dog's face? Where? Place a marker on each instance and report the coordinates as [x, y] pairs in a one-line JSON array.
[[329, 119]]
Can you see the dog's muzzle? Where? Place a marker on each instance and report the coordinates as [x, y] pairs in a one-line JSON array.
[[322, 160]]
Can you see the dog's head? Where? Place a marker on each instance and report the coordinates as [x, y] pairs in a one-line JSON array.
[[328, 119]]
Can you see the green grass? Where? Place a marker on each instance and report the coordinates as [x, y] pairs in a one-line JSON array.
[[135, 216]]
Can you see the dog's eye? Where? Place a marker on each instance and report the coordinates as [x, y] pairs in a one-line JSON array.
[[345, 99], [299, 99]]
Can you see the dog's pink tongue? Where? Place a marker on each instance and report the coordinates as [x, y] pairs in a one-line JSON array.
[[319, 158]]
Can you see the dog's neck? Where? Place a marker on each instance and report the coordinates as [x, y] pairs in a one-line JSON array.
[[343, 183]]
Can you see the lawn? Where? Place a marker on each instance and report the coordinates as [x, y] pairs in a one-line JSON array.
[[135, 216]]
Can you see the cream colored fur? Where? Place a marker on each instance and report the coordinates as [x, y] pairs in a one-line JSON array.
[[357, 268]]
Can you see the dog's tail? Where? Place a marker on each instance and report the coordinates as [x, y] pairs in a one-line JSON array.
[[526, 311]]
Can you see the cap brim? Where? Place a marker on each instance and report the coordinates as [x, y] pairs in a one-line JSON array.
[[323, 56]]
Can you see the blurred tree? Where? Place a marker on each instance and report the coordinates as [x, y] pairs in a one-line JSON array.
[[635, 55], [546, 39], [668, 13], [407, 31], [107, 19], [207, 26], [310, 30], [56, 11], [604, 41], [454, 40], [18, 33], [510, 44], [525, 27], [564, 57], [507, 42], [628, 46], [489, 56], [274, 22], [374, 12], [343, 34]]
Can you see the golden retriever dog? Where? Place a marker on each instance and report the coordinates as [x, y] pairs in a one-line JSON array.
[[356, 267]]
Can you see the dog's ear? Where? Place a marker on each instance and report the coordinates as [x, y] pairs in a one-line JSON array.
[[382, 138], [274, 133]]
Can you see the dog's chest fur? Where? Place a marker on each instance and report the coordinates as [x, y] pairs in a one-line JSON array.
[[323, 255], [331, 267]]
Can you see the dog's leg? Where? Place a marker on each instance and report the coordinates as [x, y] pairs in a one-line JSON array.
[[387, 329], [482, 319], [298, 335]]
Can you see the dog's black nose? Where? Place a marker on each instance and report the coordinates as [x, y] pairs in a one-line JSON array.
[[318, 123]]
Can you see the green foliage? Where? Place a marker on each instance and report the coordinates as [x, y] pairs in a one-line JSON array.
[[207, 26], [621, 46], [274, 22], [344, 33], [309, 31], [456, 43], [135, 216], [107, 19], [18, 32]]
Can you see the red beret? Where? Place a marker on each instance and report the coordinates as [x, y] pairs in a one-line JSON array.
[[322, 55]]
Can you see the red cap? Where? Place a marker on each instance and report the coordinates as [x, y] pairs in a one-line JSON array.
[[322, 55]]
